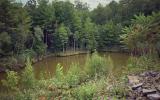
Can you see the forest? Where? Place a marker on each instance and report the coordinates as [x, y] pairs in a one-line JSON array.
[[40, 28]]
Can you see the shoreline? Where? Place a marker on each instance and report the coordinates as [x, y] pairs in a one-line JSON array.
[[34, 60], [18, 66]]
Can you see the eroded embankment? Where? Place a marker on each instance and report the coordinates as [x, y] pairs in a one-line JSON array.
[[145, 86]]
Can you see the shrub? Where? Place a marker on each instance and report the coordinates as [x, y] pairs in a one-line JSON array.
[[91, 89], [59, 76], [118, 89], [95, 65], [85, 92], [27, 95], [28, 78], [25, 54], [73, 75], [142, 63], [12, 80]]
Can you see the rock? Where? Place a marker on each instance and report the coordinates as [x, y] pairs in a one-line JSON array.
[[139, 90], [153, 74], [158, 87], [154, 96], [148, 91], [137, 86], [133, 79], [149, 73], [143, 75]]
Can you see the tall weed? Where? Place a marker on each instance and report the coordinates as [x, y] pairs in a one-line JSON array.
[[28, 78], [95, 65], [12, 80], [73, 75]]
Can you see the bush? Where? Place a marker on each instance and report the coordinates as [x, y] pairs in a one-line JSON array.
[[25, 54], [142, 63], [73, 75], [12, 80], [27, 95], [28, 78], [90, 90], [85, 92], [95, 65], [118, 89], [59, 76]]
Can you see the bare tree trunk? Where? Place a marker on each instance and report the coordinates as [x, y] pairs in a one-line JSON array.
[[63, 48], [74, 45]]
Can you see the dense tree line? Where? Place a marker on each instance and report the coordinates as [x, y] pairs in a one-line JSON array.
[[40, 26]]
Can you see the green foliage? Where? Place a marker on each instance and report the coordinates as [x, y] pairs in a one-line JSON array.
[[85, 91], [91, 89], [65, 26], [109, 35], [139, 34], [11, 81], [135, 34], [96, 65], [142, 63], [43, 15], [39, 26], [5, 41], [62, 33], [89, 35], [118, 89], [15, 24], [38, 45], [25, 54], [73, 75], [59, 76], [28, 78], [26, 95]]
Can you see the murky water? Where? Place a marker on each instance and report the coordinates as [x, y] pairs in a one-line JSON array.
[[49, 64]]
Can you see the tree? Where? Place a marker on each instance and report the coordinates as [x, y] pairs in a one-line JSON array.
[[38, 45], [22, 30], [88, 35], [62, 36], [5, 41], [30, 6], [77, 29], [44, 14], [64, 12], [6, 26], [14, 25], [109, 35], [139, 36], [99, 15]]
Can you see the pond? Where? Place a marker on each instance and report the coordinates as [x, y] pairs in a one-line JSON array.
[[49, 64]]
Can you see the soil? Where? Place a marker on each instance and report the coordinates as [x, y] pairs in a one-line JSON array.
[[147, 88]]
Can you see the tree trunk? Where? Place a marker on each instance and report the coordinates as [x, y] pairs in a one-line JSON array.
[[63, 48], [74, 45]]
